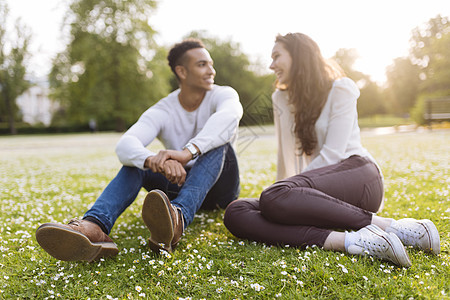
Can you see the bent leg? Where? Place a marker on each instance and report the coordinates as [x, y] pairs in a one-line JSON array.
[[336, 196], [243, 219], [121, 193], [227, 187], [200, 179]]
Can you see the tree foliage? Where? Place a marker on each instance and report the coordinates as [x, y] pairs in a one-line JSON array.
[[402, 85], [110, 70], [425, 73], [346, 59], [233, 69], [430, 50], [13, 54], [370, 101]]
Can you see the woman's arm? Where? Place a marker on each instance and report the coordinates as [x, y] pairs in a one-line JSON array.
[[341, 122]]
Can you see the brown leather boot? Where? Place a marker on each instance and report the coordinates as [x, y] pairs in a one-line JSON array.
[[164, 221], [76, 241]]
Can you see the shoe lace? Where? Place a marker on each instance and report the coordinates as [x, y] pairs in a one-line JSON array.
[[75, 222], [410, 234], [178, 216], [373, 247]]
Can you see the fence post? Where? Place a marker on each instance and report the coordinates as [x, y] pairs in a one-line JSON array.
[[429, 110]]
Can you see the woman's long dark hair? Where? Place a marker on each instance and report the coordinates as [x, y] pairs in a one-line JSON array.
[[311, 79]]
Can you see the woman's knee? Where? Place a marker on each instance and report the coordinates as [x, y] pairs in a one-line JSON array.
[[269, 199], [237, 213]]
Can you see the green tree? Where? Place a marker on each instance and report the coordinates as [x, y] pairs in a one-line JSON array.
[[13, 53], [430, 46], [402, 85], [233, 68], [370, 101], [346, 59], [110, 71]]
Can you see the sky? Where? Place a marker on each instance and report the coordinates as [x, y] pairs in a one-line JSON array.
[[379, 30]]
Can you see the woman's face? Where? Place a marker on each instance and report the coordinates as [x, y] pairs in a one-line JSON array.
[[281, 63]]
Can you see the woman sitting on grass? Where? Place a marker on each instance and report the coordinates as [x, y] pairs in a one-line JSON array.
[[326, 180]]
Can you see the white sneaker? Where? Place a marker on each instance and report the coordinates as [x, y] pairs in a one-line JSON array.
[[372, 240], [421, 234]]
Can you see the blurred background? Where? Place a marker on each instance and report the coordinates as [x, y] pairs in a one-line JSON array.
[[96, 65]]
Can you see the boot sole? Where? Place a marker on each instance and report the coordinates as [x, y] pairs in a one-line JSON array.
[[400, 256], [157, 218], [70, 245], [433, 236]]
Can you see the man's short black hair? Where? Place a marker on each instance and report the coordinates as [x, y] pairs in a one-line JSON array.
[[176, 54]]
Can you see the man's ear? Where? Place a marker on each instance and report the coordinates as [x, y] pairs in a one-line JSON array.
[[181, 71]]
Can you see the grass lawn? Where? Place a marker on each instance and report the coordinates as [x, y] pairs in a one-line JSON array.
[[383, 121], [54, 178]]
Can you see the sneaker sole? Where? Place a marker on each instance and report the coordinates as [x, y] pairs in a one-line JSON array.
[[400, 256], [433, 236], [157, 218], [70, 245]]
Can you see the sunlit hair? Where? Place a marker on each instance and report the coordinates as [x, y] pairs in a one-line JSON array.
[[177, 55], [310, 80]]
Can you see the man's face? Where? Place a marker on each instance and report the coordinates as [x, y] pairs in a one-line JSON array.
[[198, 69]]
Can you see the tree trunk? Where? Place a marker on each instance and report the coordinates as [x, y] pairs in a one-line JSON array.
[[11, 114], [120, 124]]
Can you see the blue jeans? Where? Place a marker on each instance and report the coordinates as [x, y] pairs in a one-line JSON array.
[[212, 181]]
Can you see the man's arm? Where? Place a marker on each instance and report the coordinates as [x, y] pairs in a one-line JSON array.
[[172, 170], [222, 125], [131, 148], [171, 164], [156, 162]]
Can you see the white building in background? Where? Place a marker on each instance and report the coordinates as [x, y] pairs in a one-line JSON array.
[[35, 106]]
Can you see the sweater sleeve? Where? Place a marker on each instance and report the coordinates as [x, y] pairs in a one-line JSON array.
[[342, 117], [277, 111], [131, 148], [222, 125]]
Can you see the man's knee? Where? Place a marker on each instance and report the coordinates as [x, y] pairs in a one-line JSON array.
[[130, 170], [214, 153]]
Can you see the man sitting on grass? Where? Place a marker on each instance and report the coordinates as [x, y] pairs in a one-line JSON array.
[[197, 124]]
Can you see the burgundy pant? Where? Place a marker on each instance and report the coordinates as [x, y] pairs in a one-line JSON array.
[[301, 210]]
